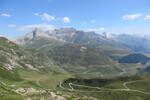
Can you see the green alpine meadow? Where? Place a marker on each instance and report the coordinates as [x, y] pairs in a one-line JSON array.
[[74, 50]]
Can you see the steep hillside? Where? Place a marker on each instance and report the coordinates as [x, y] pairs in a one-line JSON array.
[[114, 53], [145, 69], [134, 58], [12, 55], [87, 61], [78, 55]]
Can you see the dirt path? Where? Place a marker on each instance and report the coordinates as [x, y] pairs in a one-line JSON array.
[[71, 87]]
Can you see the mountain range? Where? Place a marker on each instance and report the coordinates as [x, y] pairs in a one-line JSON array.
[[72, 36]]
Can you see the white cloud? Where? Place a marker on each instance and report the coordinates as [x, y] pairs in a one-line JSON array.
[[131, 17], [66, 19], [44, 27], [147, 17], [6, 15], [96, 29], [11, 25], [45, 16], [92, 21], [48, 17]]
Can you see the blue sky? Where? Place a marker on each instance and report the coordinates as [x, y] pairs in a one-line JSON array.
[[17, 17]]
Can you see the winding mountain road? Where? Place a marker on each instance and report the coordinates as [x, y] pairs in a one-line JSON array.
[[104, 89]]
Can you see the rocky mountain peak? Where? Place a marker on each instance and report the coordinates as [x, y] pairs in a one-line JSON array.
[[80, 32], [37, 31], [66, 30], [61, 31]]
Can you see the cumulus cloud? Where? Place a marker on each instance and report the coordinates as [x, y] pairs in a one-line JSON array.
[[45, 16], [131, 17], [66, 19], [11, 25], [44, 27], [147, 17], [96, 29], [5, 15], [48, 17]]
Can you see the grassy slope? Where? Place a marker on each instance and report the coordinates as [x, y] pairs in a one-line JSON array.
[[134, 58], [109, 71], [8, 95], [142, 86], [27, 78], [114, 52], [87, 62], [113, 84], [8, 78], [72, 54], [45, 80]]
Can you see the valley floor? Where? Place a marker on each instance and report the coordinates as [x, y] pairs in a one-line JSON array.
[[61, 85]]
